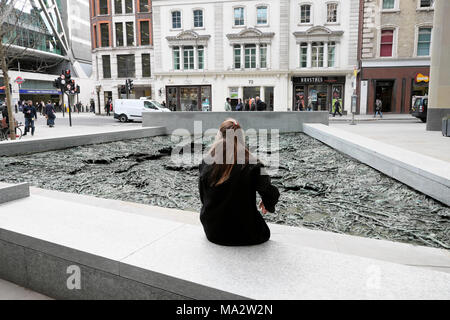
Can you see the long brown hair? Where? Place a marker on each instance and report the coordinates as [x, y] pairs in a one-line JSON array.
[[227, 151]]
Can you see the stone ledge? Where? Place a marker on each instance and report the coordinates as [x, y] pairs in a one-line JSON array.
[[13, 192], [50, 144], [130, 256], [402, 165]]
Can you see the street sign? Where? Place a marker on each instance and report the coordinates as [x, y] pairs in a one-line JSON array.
[[19, 80]]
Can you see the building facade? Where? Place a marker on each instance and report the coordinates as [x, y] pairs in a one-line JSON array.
[[207, 51], [395, 37], [122, 48], [54, 35]]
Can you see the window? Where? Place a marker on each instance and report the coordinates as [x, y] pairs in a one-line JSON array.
[[117, 6], [261, 13], [198, 18], [188, 53], [176, 20], [305, 13], [201, 57], [106, 67], [126, 66], [426, 3], [95, 37], [317, 54], [104, 7], [303, 55], [237, 57], [332, 12], [145, 32], [94, 7], [130, 34], [263, 56], [250, 56], [387, 41], [104, 34], [129, 6], [146, 69], [176, 58], [388, 4], [331, 54], [239, 17], [144, 6], [424, 42], [119, 34]]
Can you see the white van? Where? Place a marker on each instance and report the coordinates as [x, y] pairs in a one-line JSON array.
[[131, 109]]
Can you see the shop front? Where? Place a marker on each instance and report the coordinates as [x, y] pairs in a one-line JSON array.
[[189, 98], [396, 87], [318, 93]]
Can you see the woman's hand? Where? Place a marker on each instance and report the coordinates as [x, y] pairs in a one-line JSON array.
[[263, 208]]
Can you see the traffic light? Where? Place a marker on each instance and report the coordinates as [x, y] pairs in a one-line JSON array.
[[78, 90], [130, 85], [123, 90]]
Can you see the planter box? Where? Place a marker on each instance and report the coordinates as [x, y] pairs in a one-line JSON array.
[[446, 127]]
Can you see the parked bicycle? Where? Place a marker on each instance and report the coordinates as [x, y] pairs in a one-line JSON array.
[[4, 131]]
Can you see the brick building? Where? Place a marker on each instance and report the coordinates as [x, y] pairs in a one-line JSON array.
[[395, 52]]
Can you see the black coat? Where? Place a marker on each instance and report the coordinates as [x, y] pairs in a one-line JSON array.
[[230, 215], [50, 111], [261, 106], [32, 112]]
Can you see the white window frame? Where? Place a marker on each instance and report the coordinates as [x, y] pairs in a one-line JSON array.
[[395, 39], [338, 13], [180, 59], [395, 9], [419, 8], [240, 56], [261, 5], [245, 17], [416, 39], [311, 22], [203, 18], [300, 55], [171, 20]]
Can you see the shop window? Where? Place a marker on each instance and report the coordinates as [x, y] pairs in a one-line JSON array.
[[129, 6], [239, 19], [237, 57], [303, 55], [263, 56], [126, 67], [305, 13], [384, 92], [176, 58], [106, 60], [144, 27], [261, 14], [104, 7], [331, 54], [388, 4], [317, 54], [117, 6], [119, 34], [387, 41], [198, 18], [332, 9], [269, 98], [104, 34], [250, 56], [146, 66], [176, 20], [201, 57], [130, 34], [424, 42], [188, 55]]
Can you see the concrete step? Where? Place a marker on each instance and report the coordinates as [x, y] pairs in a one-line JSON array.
[[47, 243]]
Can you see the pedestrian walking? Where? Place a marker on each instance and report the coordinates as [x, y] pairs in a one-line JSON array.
[[30, 117], [337, 108], [50, 114], [228, 105], [260, 105], [108, 108], [247, 105], [378, 107], [240, 105]]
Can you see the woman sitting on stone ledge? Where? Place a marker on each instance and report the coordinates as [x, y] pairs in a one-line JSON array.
[[230, 176]]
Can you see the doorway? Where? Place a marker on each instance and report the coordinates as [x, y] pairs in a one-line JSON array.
[[384, 91]]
